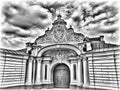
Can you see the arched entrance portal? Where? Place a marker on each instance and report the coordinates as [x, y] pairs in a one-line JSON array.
[[61, 76]]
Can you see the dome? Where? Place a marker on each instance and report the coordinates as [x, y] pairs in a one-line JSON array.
[[59, 21]]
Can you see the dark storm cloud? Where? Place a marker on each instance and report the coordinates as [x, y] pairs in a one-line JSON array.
[[96, 5], [15, 33], [96, 21], [23, 17], [12, 42], [110, 22], [52, 7], [43, 16], [106, 9], [9, 32], [94, 10], [27, 22], [6, 10], [70, 9], [98, 9], [77, 20], [108, 31], [23, 26], [103, 30]]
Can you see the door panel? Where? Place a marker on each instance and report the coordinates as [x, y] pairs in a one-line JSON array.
[[61, 76]]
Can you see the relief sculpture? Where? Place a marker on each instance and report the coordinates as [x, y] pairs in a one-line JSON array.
[[60, 54]]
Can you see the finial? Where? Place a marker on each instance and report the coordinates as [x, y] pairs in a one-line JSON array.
[[70, 26], [59, 16]]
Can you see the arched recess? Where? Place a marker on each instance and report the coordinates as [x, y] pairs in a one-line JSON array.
[[61, 75], [58, 46]]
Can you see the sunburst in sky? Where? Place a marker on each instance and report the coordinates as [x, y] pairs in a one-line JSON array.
[[24, 20]]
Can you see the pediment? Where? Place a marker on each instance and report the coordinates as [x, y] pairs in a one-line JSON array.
[[60, 34]]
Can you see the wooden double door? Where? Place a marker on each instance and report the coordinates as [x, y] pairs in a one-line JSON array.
[[61, 76]]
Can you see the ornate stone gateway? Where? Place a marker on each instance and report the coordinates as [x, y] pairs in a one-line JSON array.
[[58, 59], [61, 76]]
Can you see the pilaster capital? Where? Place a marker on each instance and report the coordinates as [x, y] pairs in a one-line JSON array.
[[39, 59], [80, 58], [80, 84], [26, 57], [73, 57], [31, 58], [85, 58], [47, 58]]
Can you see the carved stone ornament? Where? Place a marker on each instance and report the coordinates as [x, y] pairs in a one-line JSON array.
[[59, 55], [59, 33]]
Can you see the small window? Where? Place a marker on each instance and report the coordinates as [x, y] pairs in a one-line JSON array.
[[74, 69], [45, 72]]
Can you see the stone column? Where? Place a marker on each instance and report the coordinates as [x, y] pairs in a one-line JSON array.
[[80, 72], [86, 72], [29, 71], [49, 72], [34, 71], [72, 80], [38, 74]]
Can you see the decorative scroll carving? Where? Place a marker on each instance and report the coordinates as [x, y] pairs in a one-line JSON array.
[[60, 54], [60, 34]]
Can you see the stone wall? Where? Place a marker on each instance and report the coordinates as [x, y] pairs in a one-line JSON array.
[[104, 65], [12, 67]]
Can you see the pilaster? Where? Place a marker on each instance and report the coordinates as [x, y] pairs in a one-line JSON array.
[[80, 71], [86, 72], [38, 73]]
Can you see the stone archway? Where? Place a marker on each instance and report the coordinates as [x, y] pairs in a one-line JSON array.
[[61, 76], [59, 46]]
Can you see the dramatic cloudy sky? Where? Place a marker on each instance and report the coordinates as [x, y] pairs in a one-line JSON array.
[[24, 20]]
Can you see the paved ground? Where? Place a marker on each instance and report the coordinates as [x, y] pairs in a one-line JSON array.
[[49, 89], [69, 89], [56, 89], [31, 88]]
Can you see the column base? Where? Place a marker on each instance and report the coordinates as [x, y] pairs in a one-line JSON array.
[[33, 86], [28, 86], [37, 86], [38, 83], [28, 83], [86, 85], [80, 84], [47, 85], [74, 86]]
